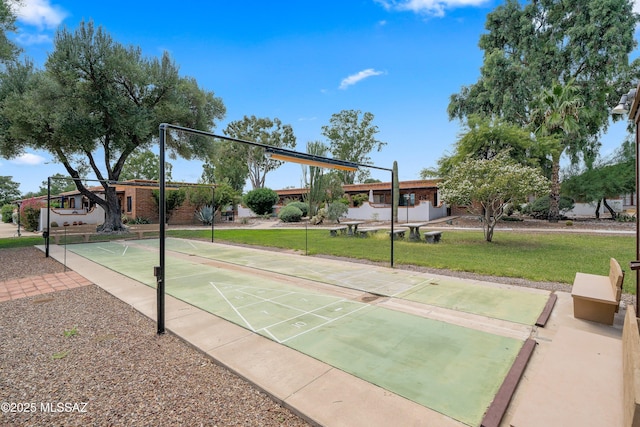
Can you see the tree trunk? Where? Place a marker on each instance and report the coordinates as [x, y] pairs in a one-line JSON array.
[[554, 196], [598, 209], [113, 219], [613, 213], [488, 224]]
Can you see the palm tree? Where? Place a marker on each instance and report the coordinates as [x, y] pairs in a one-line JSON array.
[[556, 123]]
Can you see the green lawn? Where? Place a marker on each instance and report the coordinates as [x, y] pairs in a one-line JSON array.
[[554, 257]]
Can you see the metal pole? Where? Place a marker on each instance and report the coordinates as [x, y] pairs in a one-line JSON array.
[[213, 207], [393, 177], [46, 238], [162, 214]]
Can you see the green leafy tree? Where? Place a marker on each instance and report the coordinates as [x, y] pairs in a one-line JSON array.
[[226, 162], [261, 200], [8, 49], [98, 96], [352, 137], [144, 164], [485, 138], [528, 46], [222, 195], [7, 213], [173, 200], [607, 180], [9, 190], [261, 130], [493, 185], [60, 183], [558, 115]]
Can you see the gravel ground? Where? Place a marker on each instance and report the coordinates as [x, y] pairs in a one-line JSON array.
[[91, 351]]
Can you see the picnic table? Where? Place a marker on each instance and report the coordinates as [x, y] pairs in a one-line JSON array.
[[353, 226], [414, 229]]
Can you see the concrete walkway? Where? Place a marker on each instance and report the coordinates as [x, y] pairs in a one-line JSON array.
[[574, 377]]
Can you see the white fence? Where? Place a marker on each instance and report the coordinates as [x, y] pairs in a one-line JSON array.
[[382, 212], [379, 212], [589, 209], [69, 216]]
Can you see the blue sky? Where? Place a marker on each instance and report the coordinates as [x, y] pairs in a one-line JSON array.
[[299, 61]]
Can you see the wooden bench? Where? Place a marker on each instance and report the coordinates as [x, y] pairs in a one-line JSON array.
[[398, 234], [433, 236], [631, 369], [141, 229], [84, 230], [334, 231], [597, 298]]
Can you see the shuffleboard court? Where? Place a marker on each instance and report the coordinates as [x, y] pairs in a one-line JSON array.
[[520, 306], [451, 369]]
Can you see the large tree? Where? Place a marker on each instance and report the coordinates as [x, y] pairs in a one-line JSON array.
[[8, 50], [492, 185], [484, 138], [9, 190], [97, 98], [144, 164], [556, 120], [233, 154], [352, 137], [528, 47], [608, 179]]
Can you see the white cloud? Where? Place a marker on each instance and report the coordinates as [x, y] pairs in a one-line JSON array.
[[28, 159], [361, 75], [636, 6], [25, 39], [40, 13], [428, 7]]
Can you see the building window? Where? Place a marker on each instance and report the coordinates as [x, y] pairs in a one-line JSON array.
[[129, 204]]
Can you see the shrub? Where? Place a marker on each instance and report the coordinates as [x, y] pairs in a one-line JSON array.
[[358, 199], [304, 207], [569, 223], [539, 209], [7, 211], [140, 220], [290, 213], [30, 213], [337, 210], [261, 200], [54, 224]]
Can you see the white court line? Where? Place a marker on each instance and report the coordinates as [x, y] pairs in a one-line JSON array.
[[105, 249], [326, 323], [234, 309], [273, 336], [273, 301], [125, 250], [327, 319]]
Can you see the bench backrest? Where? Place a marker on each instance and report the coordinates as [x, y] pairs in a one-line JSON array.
[[616, 277]]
